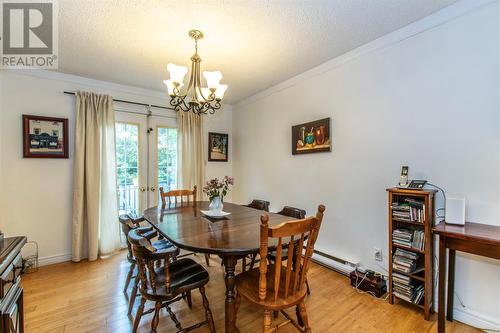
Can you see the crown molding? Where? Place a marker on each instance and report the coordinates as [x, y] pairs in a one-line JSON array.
[[429, 22], [92, 83]]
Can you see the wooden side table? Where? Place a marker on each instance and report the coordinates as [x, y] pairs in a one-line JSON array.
[[475, 238]]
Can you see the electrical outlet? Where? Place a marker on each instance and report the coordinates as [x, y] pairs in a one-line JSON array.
[[377, 254]]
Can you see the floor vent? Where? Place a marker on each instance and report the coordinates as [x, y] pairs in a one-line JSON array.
[[337, 264]]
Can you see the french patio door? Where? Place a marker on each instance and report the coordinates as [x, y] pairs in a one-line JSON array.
[[146, 158]]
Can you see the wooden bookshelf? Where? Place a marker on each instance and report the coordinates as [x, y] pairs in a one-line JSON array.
[[424, 272]]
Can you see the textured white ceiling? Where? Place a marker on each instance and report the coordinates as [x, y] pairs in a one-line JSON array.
[[255, 43]]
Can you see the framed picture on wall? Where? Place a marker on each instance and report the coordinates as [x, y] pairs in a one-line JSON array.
[[45, 137], [218, 147], [312, 137]]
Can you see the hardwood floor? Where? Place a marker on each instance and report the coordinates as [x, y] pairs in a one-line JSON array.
[[87, 297]]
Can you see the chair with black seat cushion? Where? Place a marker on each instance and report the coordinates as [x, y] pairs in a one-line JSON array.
[[128, 223], [259, 204], [166, 284], [275, 287], [295, 213]]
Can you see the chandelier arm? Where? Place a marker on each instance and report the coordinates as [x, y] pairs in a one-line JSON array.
[[210, 109], [196, 86], [195, 74], [201, 98], [185, 106], [205, 107], [196, 109], [174, 100], [191, 81], [199, 93], [177, 103]]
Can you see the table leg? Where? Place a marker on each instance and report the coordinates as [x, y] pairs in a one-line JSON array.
[[229, 265], [442, 284], [451, 284]]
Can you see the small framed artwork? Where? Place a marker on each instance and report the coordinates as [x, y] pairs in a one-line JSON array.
[[311, 137], [218, 147], [45, 137]]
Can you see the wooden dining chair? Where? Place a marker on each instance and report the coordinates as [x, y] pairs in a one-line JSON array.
[[168, 283], [281, 287], [129, 223], [259, 204], [170, 197], [295, 213]]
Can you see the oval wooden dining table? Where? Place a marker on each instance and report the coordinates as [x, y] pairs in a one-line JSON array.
[[231, 238]]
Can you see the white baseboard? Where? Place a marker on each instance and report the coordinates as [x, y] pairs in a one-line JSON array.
[[476, 319], [55, 259], [335, 263]]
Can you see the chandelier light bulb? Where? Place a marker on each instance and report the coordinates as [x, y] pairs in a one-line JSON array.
[[177, 73], [221, 89], [213, 78], [171, 87], [206, 93]]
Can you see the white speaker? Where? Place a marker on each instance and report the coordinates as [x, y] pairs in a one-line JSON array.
[[455, 209]]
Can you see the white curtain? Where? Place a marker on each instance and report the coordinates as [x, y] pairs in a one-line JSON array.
[[95, 208], [190, 134]]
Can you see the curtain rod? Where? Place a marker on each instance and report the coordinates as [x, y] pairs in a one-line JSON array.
[[130, 102]]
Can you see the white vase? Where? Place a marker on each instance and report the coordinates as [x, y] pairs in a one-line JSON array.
[[216, 205]]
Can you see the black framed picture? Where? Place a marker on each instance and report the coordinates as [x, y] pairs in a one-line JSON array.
[[311, 137], [45, 137], [218, 147]]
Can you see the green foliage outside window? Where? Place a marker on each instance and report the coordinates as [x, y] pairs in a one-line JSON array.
[[167, 158], [127, 146]]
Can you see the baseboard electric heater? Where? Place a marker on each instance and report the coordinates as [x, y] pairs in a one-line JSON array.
[[337, 264]]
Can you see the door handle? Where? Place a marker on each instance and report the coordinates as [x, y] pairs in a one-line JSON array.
[[152, 189], [143, 189]]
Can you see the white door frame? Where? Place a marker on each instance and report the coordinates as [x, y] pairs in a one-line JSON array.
[[149, 123], [156, 122]]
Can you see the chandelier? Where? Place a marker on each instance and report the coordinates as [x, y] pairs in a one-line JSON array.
[[198, 99]]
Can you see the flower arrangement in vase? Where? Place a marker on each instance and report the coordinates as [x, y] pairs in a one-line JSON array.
[[216, 190]]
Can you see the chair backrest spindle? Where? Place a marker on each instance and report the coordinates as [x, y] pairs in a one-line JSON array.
[[174, 194], [289, 265], [263, 254], [293, 275]]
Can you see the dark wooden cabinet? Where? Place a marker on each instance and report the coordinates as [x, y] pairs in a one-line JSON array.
[[11, 291]]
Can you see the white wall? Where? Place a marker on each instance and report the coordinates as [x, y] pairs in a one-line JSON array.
[[427, 96], [36, 194]]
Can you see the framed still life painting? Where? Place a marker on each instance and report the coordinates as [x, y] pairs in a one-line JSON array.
[[45, 137], [218, 144], [311, 137]]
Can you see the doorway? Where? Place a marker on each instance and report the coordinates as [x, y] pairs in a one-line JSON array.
[[146, 158]]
